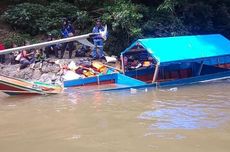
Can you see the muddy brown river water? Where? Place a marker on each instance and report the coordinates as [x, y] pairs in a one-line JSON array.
[[185, 119]]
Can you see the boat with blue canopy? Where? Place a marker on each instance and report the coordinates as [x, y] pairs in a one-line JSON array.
[[168, 61], [172, 61]]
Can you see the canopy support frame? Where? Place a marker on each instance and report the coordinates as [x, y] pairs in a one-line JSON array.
[[156, 72]]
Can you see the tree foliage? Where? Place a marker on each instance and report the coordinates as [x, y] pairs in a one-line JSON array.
[[37, 18], [127, 19], [18, 39]]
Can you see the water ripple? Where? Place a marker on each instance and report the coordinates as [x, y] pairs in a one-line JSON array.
[[185, 117]]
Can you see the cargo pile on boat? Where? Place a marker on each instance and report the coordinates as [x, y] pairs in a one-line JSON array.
[[55, 71], [84, 69]]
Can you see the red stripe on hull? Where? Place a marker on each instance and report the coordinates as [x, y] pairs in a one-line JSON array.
[[225, 66], [11, 88], [146, 78], [95, 83], [101, 83], [21, 93]]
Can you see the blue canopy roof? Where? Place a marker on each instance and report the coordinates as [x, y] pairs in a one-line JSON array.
[[183, 48]]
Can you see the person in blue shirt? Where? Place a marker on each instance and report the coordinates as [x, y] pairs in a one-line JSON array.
[[67, 30], [98, 41]]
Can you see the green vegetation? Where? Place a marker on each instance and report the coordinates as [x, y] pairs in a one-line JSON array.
[[18, 39], [124, 21], [127, 20], [36, 18]]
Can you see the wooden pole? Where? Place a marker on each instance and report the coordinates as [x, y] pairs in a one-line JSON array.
[[43, 44], [122, 64], [200, 68], [156, 73]]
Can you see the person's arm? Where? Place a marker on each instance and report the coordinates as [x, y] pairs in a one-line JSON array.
[[102, 28], [96, 30], [31, 53], [72, 29], [64, 32]]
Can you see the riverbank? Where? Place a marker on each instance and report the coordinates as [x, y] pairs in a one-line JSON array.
[[50, 71]]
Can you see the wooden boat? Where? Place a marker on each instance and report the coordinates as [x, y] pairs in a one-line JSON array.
[[119, 81], [101, 74], [169, 62], [14, 86], [174, 61]]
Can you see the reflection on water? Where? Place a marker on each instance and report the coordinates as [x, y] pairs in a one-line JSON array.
[[192, 118], [195, 112], [183, 118]]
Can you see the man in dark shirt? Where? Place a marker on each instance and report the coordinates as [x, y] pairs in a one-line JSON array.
[[67, 30], [51, 49]]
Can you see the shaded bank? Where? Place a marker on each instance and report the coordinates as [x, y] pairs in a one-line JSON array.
[[49, 72]]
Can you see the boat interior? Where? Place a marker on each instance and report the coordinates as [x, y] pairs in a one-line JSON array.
[[135, 66]]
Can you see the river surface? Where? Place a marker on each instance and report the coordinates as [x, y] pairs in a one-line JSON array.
[[185, 119]]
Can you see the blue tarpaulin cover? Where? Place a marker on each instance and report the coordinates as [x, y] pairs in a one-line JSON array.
[[184, 48]]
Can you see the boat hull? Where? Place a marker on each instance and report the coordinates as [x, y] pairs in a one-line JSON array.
[[180, 82], [114, 78], [13, 86]]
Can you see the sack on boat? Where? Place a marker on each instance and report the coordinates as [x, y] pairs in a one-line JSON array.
[[71, 75], [72, 66], [110, 59], [18, 57]]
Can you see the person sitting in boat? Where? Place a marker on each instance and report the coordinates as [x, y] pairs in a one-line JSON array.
[[148, 63], [136, 64], [131, 62]]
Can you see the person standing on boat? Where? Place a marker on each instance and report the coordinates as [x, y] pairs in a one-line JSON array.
[[98, 41], [67, 30]]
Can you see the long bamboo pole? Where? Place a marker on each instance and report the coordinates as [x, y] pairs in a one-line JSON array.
[[69, 39], [43, 44]]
